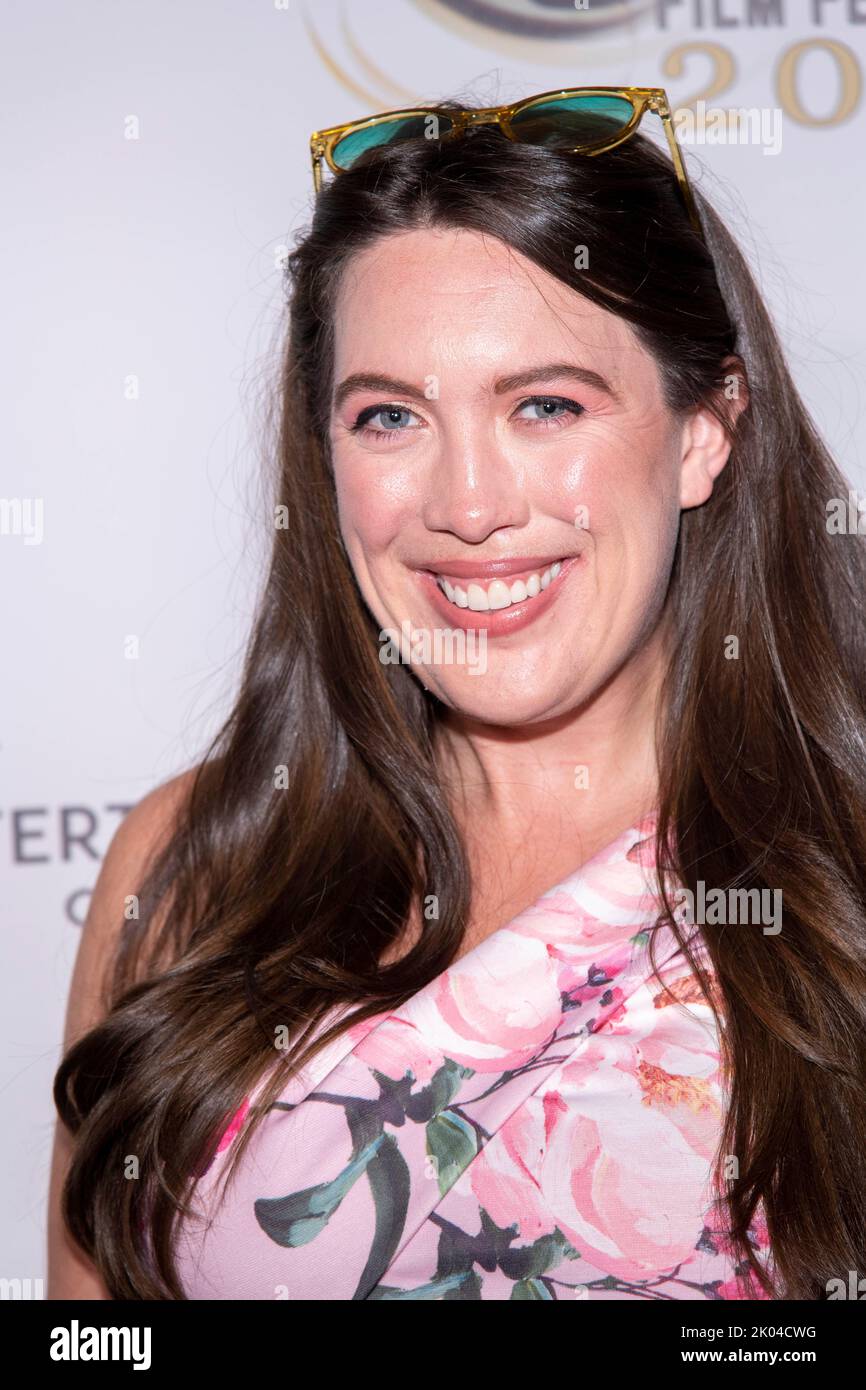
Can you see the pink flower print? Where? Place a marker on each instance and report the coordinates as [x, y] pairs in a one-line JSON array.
[[494, 1009], [604, 1157], [504, 1183], [676, 1064], [553, 1105], [661, 1088], [395, 1047], [758, 1229], [234, 1126], [717, 1227], [643, 851], [582, 982]]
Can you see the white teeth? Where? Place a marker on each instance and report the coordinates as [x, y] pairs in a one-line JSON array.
[[478, 600], [498, 594]]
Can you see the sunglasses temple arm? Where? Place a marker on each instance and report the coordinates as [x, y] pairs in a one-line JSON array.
[[679, 165], [316, 160]]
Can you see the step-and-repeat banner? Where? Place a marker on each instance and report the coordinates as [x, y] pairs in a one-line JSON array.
[[156, 168]]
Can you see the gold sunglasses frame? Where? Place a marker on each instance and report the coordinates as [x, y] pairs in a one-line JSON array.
[[642, 99]]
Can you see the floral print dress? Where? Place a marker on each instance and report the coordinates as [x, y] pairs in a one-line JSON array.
[[538, 1122]]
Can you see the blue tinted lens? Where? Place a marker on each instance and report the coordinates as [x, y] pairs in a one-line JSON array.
[[426, 126], [570, 121]]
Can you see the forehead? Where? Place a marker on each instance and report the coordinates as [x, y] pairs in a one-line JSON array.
[[449, 296]]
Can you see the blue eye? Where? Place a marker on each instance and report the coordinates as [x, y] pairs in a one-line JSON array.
[[551, 407], [390, 414]]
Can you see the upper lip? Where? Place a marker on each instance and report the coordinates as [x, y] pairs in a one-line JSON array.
[[492, 569]]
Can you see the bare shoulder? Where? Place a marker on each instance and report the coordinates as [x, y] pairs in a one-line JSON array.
[[140, 835]]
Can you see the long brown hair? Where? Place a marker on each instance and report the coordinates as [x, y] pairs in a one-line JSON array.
[[276, 895]]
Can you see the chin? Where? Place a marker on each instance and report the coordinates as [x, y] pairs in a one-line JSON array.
[[506, 705]]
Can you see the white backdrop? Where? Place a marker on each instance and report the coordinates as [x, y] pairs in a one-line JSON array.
[[155, 166]]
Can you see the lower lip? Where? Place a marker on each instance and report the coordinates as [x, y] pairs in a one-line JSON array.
[[498, 622]]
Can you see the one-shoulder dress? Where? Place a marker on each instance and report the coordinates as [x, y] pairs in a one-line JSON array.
[[538, 1122]]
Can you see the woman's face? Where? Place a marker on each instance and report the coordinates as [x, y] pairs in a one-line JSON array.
[[509, 479]]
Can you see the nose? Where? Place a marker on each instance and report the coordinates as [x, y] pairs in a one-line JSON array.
[[474, 489]]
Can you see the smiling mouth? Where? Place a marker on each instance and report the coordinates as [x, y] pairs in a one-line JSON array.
[[492, 595]]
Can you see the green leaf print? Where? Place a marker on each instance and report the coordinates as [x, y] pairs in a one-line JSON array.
[[439, 1092], [297, 1219], [454, 1287], [531, 1289], [388, 1176], [452, 1143], [523, 1263]]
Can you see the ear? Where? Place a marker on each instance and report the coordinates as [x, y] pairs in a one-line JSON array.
[[706, 445]]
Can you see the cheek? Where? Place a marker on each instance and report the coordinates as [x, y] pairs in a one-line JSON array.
[[373, 504], [610, 481], [629, 504]]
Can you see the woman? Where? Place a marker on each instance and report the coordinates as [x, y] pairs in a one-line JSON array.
[[409, 957]]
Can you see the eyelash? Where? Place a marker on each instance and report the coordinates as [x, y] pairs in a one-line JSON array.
[[360, 426]]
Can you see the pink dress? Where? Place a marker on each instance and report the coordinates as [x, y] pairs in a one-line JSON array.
[[538, 1122]]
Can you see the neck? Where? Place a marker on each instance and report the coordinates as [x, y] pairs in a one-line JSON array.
[[585, 773]]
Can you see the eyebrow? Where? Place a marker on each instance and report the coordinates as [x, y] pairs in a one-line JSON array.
[[375, 381]]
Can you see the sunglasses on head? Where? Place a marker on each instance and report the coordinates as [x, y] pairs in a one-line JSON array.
[[583, 120]]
